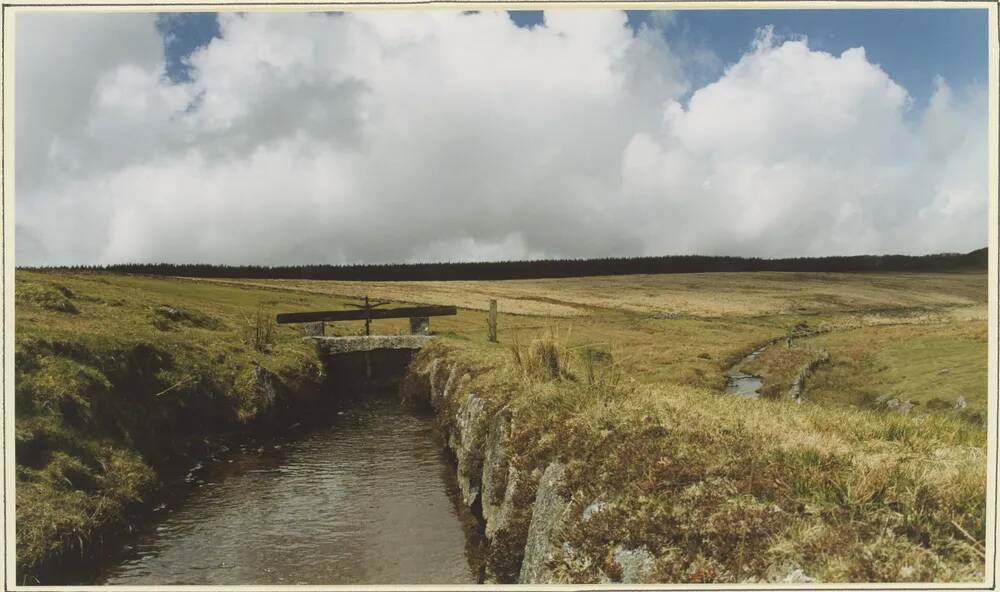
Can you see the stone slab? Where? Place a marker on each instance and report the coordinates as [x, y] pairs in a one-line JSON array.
[[362, 343]]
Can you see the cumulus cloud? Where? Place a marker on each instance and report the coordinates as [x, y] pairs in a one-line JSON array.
[[384, 136], [61, 59]]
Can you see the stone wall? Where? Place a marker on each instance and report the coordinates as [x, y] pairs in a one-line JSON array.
[[479, 438], [524, 514]]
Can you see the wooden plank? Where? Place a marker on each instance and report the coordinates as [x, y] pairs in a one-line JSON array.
[[360, 315]]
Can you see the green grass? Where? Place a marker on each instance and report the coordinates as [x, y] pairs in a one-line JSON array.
[[620, 378], [930, 365], [107, 386]]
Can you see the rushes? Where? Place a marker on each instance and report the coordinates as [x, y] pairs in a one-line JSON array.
[[604, 373], [590, 358], [548, 359], [260, 330], [542, 360]]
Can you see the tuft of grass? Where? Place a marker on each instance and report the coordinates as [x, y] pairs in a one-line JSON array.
[[593, 359], [51, 297], [260, 330], [541, 360]]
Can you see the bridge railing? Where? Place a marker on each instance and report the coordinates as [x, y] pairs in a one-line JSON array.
[[419, 315]]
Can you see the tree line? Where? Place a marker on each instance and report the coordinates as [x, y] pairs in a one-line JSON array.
[[551, 268]]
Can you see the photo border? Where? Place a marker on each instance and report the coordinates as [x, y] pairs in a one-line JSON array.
[[11, 8]]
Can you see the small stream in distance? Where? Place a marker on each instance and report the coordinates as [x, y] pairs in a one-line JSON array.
[[740, 383], [370, 499]]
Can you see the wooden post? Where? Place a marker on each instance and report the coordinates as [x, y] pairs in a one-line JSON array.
[[420, 325], [368, 320], [492, 335]]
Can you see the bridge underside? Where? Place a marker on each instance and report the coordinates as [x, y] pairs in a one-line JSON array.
[[367, 364]]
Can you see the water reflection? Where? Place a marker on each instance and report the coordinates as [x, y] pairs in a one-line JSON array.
[[369, 500]]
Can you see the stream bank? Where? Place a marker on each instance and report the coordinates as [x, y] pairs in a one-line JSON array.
[[750, 385], [357, 485], [523, 510], [170, 453], [743, 384]]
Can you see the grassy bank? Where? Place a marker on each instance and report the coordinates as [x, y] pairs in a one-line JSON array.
[[117, 376], [721, 489], [620, 378]]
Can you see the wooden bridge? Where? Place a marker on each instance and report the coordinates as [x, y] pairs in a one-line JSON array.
[[419, 315], [350, 359]]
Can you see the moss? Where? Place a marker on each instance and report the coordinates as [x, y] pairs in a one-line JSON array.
[[103, 396], [64, 505], [171, 318], [51, 297]]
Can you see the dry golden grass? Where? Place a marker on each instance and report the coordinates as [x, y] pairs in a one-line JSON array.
[[723, 489], [687, 328], [696, 294], [779, 366]]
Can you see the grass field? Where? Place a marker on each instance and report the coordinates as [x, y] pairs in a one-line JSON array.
[[694, 294], [720, 489]]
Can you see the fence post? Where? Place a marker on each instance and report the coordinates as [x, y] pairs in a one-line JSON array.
[[368, 317], [420, 325], [493, 321]]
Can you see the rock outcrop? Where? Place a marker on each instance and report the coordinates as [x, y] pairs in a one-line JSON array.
[[499, 478], [798, 385], [636, 564], [266, 381], [525, 514], [467, 442], [546, 522]]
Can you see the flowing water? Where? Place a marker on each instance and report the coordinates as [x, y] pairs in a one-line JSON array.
[[740, 383], [370, 499]]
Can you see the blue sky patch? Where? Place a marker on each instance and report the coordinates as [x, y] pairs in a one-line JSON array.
[[912, 45], [183, 33], [527, 18]]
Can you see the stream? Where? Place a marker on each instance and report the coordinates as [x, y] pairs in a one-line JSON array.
[[370, 499], [743, 384], [740, 383]]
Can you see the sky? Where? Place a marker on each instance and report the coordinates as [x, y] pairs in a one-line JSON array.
[[371, 137]]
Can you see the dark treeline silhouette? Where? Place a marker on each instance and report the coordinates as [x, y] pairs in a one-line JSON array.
[[551, 268]]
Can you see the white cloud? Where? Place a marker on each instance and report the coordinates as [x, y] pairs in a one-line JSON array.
[[798, 152], [60, 59], [389, 136]]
